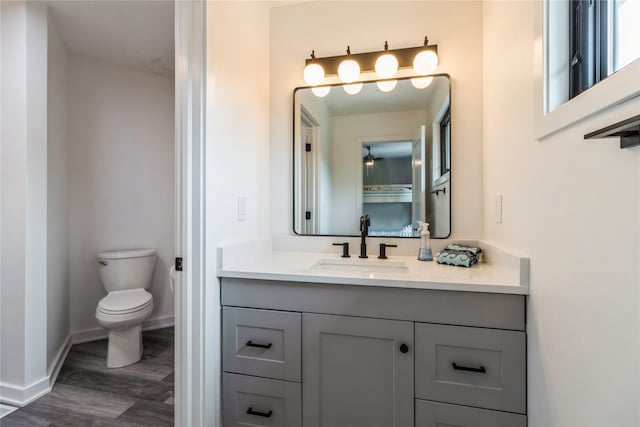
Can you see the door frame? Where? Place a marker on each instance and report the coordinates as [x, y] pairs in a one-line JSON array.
[[190, 85], [310, 180]]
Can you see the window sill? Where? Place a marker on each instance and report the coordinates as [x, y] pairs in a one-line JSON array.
[[616, 89]]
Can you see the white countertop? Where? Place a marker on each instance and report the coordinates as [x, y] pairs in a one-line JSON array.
[[502, 276]]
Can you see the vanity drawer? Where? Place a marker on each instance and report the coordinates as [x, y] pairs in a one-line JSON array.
[[260, 402], [434, 414], [265, 343], [478, 367]]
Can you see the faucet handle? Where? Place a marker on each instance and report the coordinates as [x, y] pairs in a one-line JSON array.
[[383, 250], [345, 249]]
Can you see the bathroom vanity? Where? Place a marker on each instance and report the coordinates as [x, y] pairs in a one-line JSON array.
[[316, 340]]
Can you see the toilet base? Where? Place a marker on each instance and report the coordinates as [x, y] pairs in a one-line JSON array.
[[125, 346]]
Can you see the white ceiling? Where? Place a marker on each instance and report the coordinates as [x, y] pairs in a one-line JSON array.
[[136, 34]]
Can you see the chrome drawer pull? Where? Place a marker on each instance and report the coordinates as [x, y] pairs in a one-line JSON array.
[[480, 370], [250, 411], [251, 344]]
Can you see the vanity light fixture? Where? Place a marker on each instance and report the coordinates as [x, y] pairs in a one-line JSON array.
[[423, 59], [426, 61], [349, 70], [386, 64], [313, 72]]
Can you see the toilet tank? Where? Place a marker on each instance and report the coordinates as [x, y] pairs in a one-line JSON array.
[[127, 269]]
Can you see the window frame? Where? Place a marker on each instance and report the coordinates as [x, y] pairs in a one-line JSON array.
[[590, 42], [622, 87], [445, 142]]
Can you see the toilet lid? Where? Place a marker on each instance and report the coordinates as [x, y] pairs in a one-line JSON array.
[[121, 302]]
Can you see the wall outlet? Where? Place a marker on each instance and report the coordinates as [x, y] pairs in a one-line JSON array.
[[242, 208], [499, 209]]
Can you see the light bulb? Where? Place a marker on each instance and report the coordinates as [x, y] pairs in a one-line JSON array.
[[313, 74], [387, 85], [425, 62], [386, 66], [321, 91], [349, 70], [353, 88], [421, 82]]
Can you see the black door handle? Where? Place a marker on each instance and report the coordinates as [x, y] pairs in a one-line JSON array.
[[480, 370], [250, 411], [404, 348], [251, 344]]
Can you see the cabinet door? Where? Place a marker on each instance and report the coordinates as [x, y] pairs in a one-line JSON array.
[[357, 372]]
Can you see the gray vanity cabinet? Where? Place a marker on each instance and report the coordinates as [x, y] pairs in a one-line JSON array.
[[298, 354], [357, 372]]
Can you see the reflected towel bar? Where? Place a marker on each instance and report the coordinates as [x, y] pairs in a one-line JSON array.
[[628, 130]]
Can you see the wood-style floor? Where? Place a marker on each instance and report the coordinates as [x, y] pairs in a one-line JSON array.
[[88, 394]]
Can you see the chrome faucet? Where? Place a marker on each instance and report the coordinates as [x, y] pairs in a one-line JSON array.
[[365, 222]]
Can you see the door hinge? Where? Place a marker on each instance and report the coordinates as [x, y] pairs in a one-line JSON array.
[[178, 264], [307, 147], [307, 215]]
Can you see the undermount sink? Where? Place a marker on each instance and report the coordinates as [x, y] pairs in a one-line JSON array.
[[361, 265]]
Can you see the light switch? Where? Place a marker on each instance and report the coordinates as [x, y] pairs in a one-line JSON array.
[[242, 208], [499, 209]]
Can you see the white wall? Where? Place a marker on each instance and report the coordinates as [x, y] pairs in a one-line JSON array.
[[121, 170], [328, 27], [237, 152], [23, 228], [57, 198], [574, 207], [237, 126]]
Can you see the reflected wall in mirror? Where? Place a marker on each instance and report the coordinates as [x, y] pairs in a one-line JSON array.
[[382, 154]]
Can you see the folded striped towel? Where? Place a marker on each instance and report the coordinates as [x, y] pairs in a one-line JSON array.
[[459, 255], [457, 247]]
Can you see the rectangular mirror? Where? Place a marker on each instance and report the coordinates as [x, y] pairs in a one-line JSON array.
[[376, 153]]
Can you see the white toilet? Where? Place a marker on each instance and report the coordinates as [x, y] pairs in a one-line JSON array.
[[125, 275]]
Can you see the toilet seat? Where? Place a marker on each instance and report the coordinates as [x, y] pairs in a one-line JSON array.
[[125, 302]]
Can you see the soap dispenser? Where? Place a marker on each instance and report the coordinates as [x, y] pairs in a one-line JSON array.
[[424, 253]]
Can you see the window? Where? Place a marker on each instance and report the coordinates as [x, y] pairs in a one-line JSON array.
[[603, 38]]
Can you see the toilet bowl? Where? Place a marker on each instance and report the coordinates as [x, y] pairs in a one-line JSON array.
[[126, 275]]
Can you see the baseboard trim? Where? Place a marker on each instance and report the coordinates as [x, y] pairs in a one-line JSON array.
[[94, 334], [55, 367], [14, 395], [159, 323]]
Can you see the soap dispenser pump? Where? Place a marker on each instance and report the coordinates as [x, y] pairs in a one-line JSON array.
[[424, 253]]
